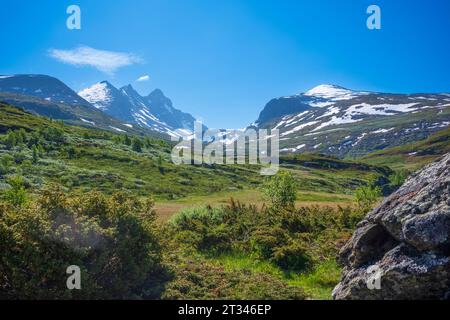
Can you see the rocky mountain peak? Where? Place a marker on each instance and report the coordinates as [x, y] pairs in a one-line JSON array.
[[156, 93], [129, 90]]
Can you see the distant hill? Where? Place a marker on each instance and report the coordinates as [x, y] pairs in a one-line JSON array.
[[337, 121], [413, 155]]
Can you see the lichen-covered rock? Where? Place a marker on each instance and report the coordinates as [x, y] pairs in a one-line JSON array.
[[406, 239]]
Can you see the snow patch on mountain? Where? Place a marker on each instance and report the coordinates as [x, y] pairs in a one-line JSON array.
[[380, 109], [117, 129], [382, 131], [337, 121], [99, 95], [300, 127], [87, 121], [332, 92]]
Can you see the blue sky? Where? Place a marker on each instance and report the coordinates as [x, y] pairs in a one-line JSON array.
[[222, 60]]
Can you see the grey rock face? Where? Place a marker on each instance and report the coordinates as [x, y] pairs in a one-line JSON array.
[[407, 240]]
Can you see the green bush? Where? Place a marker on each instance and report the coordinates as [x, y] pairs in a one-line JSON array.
[[367, 196], [136, 144], [294, 256], [281, 190], [199, 279], [397, 179], [112, 239], [17, 194], [287, 238]]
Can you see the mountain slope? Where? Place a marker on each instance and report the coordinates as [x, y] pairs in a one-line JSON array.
[[105, 97], [48, 96], [414, 155], [154, 111], [162, 108], [343, 122], [41, 86]]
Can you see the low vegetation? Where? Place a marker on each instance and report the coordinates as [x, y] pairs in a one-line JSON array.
[[76, 196]]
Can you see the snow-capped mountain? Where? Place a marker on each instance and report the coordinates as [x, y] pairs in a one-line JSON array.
[[41, 86], [335, 120], [154, 111], [47, 96], [105, 97]]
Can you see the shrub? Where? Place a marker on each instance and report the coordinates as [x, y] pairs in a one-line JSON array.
[[35, 152], [200, 279], [17, 194], [136, 144], [293, 256], [397, 179], [281, 190], [367, 196], [287, 238], [112, 239]]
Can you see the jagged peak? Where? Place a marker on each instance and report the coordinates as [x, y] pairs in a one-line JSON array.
[[129, 89], [157, 93]]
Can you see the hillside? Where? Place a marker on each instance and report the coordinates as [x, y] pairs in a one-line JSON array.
[[102, 105], [413, 155], [79, 115], [342, 122], [85, 158]]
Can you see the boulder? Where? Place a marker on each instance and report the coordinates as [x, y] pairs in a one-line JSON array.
[[406, 240]]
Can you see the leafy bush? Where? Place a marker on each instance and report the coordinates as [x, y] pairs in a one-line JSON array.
[[367, 196], [281, 190], [112, 239], [288, 238], [136, 144], [17, 194], [397, 179]]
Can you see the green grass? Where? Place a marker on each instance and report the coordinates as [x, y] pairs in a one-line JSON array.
[[318, 283]]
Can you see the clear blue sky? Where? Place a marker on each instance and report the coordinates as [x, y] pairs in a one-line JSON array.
[[222, 60]]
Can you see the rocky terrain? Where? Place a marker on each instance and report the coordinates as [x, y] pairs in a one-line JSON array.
[[405, 243], [342, 122], [155, 111]]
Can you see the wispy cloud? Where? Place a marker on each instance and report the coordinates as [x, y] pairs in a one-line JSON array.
[[143, 78], [105, 61]]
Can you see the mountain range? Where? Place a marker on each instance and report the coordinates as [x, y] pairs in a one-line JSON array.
[[334, 120], [102, 105], [327, 119], [154, 111]]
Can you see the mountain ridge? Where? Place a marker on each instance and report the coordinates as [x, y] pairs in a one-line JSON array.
[[154, 111], [124, 109], [334, 120]]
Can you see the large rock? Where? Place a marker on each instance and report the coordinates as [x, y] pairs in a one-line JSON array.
[[405, 243]]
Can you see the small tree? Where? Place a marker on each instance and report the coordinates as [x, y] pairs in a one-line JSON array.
[[35, 154], [397, 179], [17, 195], [6, 161], [136, 144], [126, 140], [281, 190], [367, 196], [10, 140], [160, 164]]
